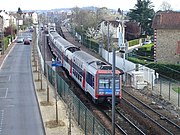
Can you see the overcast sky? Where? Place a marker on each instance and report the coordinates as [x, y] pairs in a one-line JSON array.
[[12, 5]]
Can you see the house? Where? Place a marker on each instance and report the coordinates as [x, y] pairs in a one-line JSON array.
[[35, 18], [166, 27], [115, 29], [1, 23], [30, 17], [6, 18], [13, 19]]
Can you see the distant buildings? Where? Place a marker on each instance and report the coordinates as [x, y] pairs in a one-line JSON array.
[[167, 37], [11, 18]]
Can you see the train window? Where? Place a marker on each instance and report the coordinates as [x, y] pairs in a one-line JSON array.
[[90, 79], [117, 84], [80, 78], [103, 83], [93, 81], [76, 74]]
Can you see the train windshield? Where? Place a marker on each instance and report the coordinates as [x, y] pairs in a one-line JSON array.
[[106, 84]]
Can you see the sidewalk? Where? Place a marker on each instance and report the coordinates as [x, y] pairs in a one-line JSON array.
[[48, 110], [6, 53]]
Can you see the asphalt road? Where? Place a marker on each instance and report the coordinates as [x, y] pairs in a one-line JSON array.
[[19, 111]]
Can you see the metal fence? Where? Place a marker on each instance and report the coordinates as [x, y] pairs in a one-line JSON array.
[[82, 115], [84, 40], [168, 89]]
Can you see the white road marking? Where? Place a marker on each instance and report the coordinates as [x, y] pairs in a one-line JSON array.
[[9, 78], [5, 78], [6, 93], [1, 120], [4, 90]]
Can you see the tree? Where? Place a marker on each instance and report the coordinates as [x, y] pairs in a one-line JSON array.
[[119, 11], [9, 31], [165, 6], [143, 13], [19, 11]]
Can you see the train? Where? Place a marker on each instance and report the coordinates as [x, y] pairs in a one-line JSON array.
[[91, 74]]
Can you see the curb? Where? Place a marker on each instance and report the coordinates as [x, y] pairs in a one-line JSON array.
[[8, 52], [42, 123]]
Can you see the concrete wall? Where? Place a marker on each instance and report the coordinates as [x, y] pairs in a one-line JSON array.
[[166, 46], [129, 67]]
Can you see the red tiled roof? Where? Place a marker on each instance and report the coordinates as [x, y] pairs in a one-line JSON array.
[[166, 20]]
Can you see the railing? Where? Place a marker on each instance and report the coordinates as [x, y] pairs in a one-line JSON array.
[[82, 115]]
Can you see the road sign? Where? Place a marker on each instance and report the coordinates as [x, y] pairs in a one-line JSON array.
[[56, 64]]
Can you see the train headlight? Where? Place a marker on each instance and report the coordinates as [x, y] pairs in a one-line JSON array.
[[117, 93], [101, 93]]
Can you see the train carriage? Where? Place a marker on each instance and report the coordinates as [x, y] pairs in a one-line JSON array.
[[52, 36], [66, 50], [95, 77], [91, 74]]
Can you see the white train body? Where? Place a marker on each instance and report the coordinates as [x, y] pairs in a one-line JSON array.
[[91, 74]]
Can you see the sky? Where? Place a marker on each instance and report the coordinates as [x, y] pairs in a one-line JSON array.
[[12, 5]]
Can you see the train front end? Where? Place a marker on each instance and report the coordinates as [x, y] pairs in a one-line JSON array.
[[104, 85]]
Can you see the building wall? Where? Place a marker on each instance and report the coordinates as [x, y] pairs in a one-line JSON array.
[[166, 45], [1, 24], [112, 30], [35, 18], [5, 19]]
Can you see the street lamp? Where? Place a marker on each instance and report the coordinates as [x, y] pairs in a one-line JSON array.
[[82, 34]]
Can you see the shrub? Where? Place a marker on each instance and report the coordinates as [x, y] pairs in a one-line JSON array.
[[133, 42]]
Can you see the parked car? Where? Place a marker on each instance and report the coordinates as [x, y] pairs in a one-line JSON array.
[[29, 38], [31, 30], [27, 42], [20, 40], [147, 42]]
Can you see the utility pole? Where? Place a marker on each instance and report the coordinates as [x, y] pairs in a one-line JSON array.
[[2, 41], [113, 92], [69, 117], [2, 36], [108, 41], [46, 36], [56, 97], [11, 21]]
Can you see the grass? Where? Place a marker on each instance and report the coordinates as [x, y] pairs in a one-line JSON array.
[[176, 89], [148, 46]]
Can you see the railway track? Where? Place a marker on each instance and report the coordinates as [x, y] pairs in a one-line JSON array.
[[123, 124], [163, 123]]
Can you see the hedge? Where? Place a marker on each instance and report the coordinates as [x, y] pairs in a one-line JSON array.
[[169, 70], [6, 42], [133, 42]]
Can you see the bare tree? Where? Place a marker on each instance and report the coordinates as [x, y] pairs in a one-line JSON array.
[[165, 6]]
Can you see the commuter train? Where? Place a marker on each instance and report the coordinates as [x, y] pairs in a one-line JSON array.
[[91, 74]]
